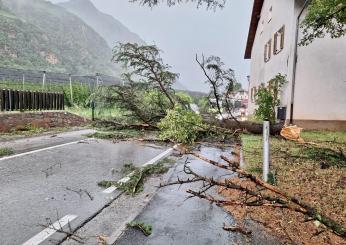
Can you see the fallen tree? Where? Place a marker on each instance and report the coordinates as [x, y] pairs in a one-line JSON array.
[[260, 194], [248, 126]]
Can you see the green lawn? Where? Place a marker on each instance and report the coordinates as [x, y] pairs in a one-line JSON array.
[[314, 171], [327, 146], [100, 113]]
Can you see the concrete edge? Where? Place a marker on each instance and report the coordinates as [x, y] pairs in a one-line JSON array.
[[43, 134]]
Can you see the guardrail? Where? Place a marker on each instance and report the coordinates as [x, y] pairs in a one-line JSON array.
[[16, 100]]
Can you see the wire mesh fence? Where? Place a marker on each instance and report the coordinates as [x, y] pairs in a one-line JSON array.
[[30, 76]]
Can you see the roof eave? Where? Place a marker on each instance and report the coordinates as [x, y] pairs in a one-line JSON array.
[[255, 17]]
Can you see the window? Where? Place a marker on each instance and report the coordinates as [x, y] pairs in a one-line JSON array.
[[279, 40], [270, 14], [267, 51]]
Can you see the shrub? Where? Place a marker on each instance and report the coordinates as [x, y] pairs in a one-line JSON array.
[[268, 98], [181, 125]]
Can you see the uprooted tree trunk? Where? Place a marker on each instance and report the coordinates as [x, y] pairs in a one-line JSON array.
[[251, 127], [270, 197], [120, 126]]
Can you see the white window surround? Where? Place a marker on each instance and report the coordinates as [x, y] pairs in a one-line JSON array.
[[267, 51]]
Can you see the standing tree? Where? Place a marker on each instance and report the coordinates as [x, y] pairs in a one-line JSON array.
[[147, 92], [218, 77], [145, 65], [324, 17]]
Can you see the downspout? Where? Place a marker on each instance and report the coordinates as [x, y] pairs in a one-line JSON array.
[[307, 2]]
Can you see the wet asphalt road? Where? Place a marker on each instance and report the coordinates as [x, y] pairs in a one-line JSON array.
[[38, 142], [48, 185], [177, 221]]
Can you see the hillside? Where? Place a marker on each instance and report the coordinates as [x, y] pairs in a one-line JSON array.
[[36, 34], [108, 27]]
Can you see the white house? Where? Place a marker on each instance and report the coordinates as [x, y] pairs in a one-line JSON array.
[[240, 95], [315, 95]]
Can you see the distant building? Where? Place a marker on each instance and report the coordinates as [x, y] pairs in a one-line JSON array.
[[315, 95], [240, 97]]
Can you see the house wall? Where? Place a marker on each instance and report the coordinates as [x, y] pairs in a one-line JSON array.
[[261, 71], [320, 87], [320, 91]]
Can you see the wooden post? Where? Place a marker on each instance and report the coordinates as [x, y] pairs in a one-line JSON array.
[[11, 99], [7, 100], [20, 100], [2, 100]]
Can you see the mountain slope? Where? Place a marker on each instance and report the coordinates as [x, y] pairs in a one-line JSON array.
[[108, 27], [36, 34]]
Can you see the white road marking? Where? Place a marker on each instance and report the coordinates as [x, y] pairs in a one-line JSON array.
[[152, 161], [110, 190], [43, 235], [39, 150], [159, 157]]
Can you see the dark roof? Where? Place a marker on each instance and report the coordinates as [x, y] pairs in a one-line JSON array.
[[256, 15]]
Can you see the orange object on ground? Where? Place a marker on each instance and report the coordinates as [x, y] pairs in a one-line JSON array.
[[292, 133]]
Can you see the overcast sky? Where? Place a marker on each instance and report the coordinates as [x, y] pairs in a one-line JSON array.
[[182, 31]]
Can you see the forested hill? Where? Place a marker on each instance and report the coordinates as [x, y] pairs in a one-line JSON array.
[[36, 34], [107, 26]]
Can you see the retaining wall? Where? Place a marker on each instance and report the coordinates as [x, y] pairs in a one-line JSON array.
[[21, 120]]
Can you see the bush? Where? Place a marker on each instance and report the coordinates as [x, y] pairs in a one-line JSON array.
[[181, 125], [268, 98]]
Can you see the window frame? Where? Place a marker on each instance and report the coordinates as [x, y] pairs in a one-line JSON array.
[[267, 51], [279, 40]]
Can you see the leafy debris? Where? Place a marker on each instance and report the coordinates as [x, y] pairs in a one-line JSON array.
[[143, 227]]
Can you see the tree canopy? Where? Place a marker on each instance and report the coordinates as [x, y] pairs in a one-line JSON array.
[[144, 64], [325, 17]]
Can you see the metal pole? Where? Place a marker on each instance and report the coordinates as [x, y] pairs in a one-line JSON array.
[[93, 110], [43, 80], [266, 130], [71, 90], [97, 80], [23, 81]]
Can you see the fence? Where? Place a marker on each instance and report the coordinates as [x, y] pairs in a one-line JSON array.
[[19, 75], [15, 100]]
